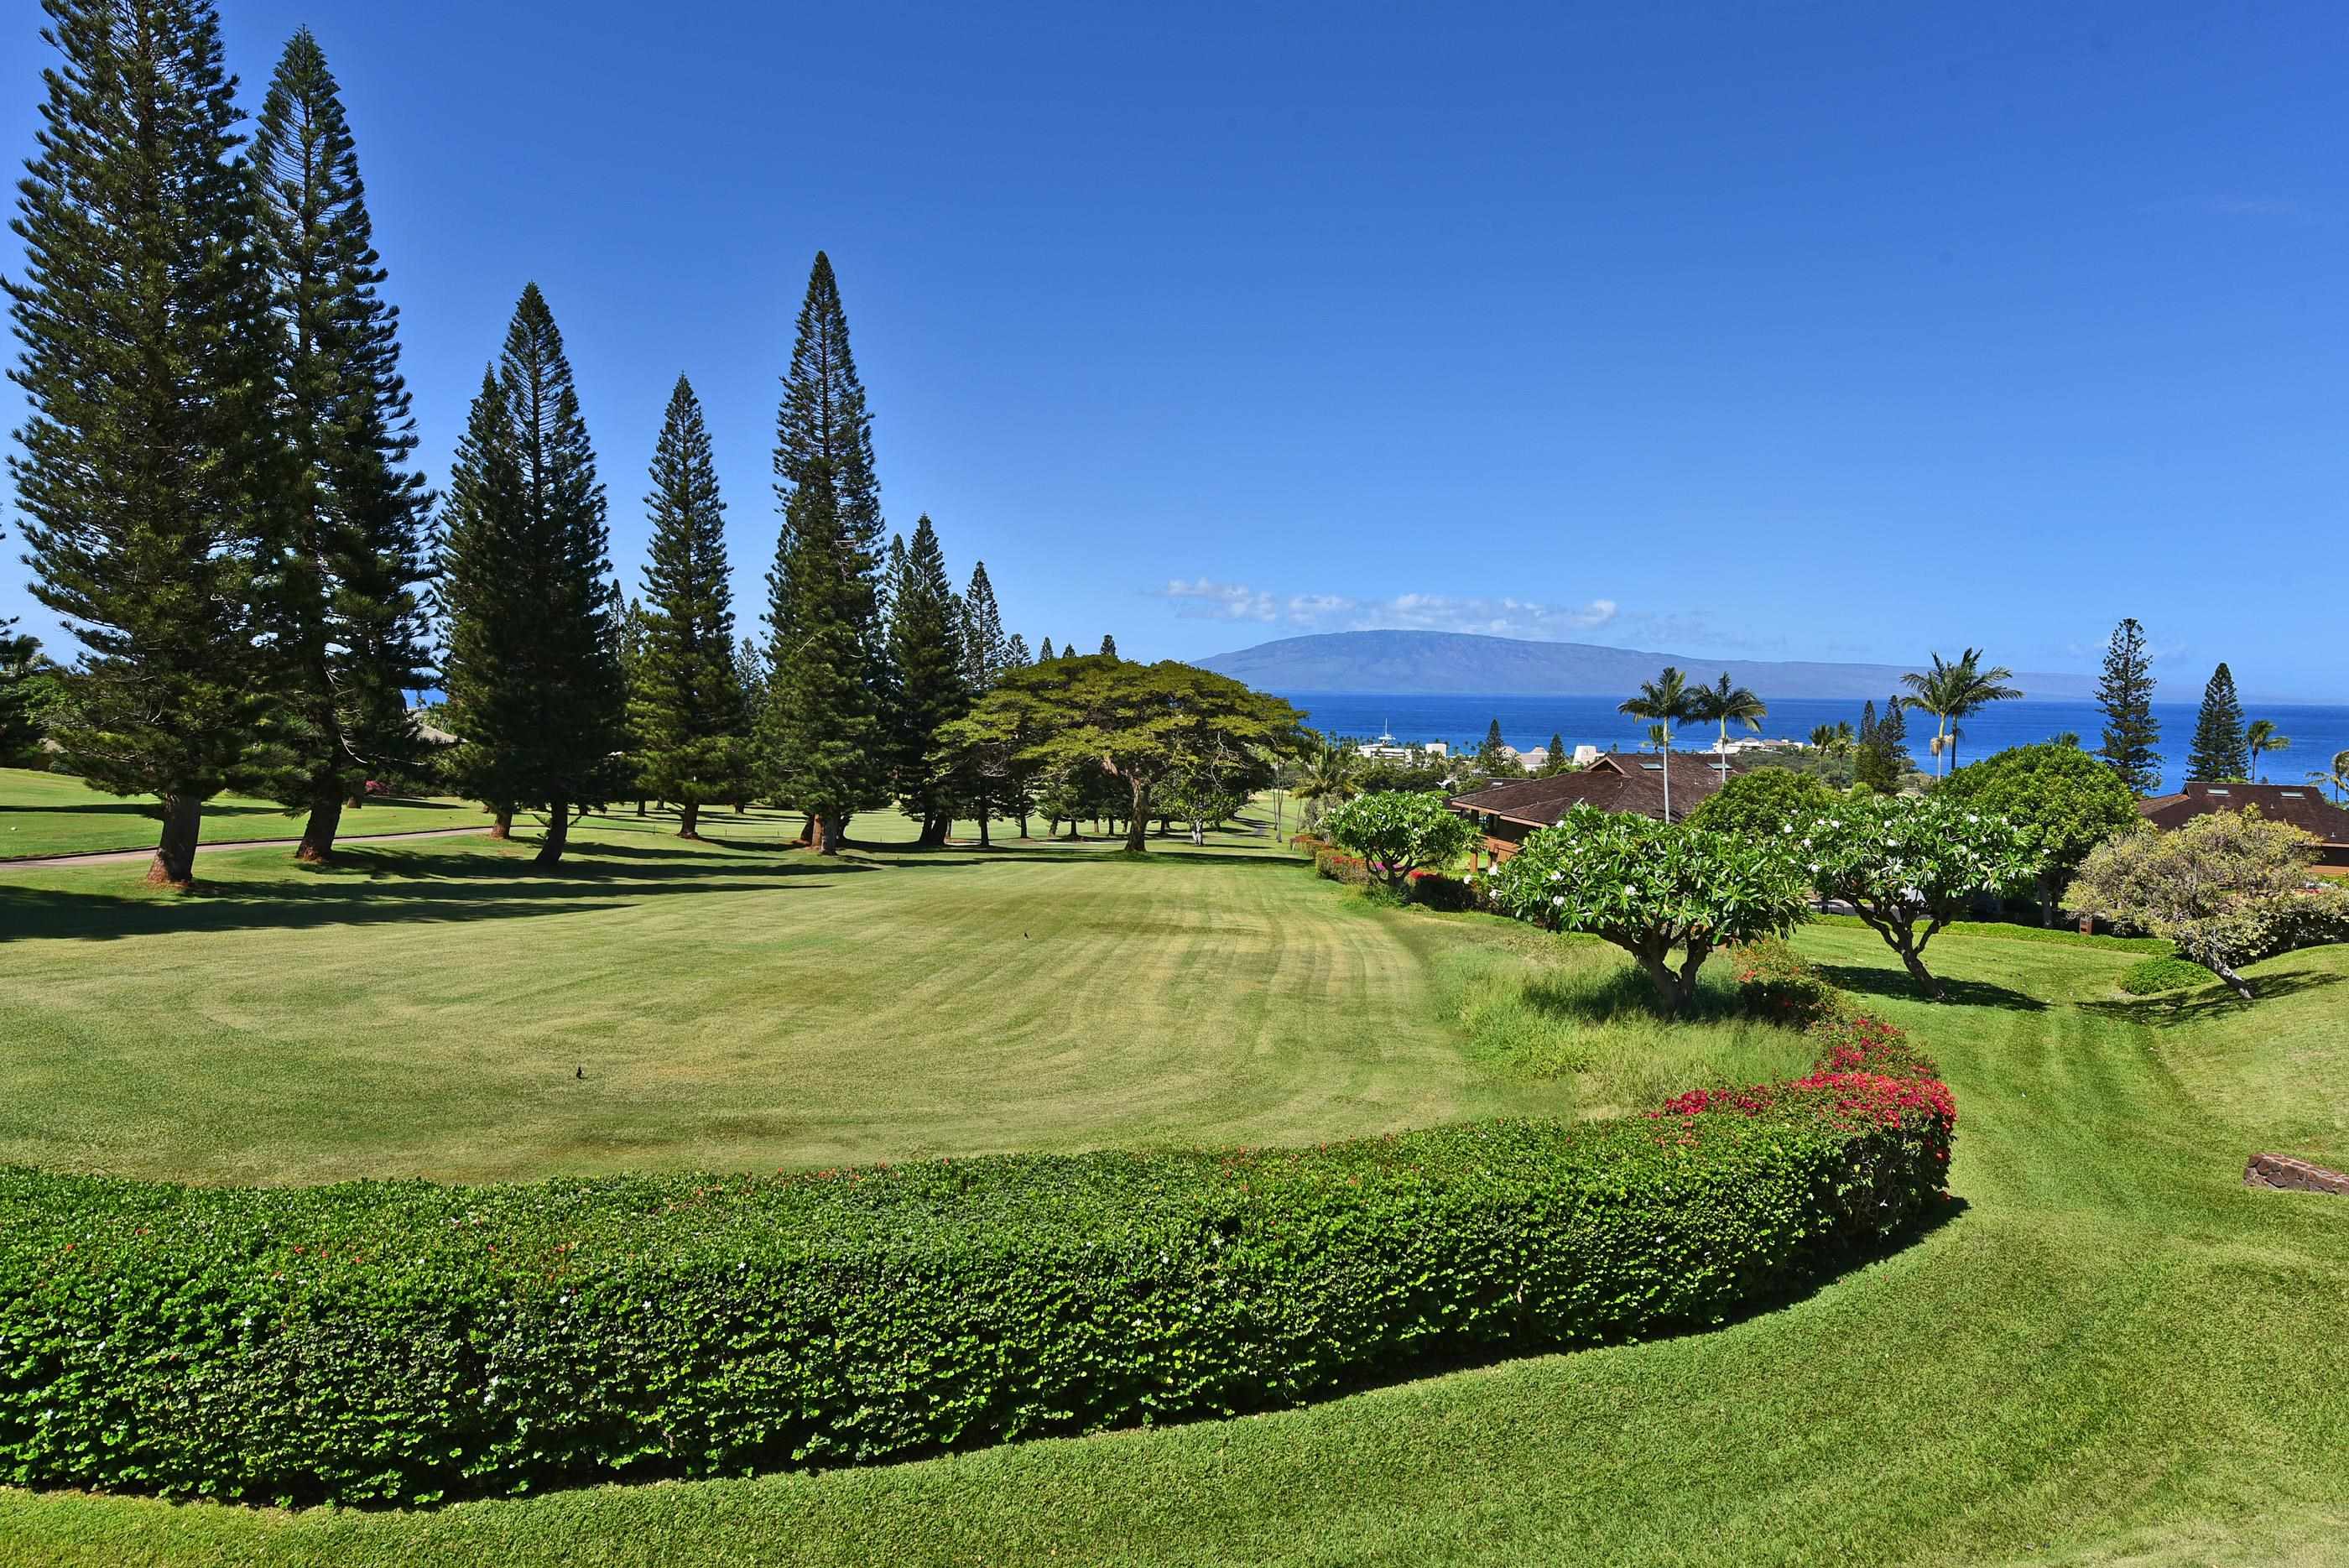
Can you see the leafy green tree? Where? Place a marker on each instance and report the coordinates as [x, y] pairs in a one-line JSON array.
[[1142, 724], [149, 469], [28, 682], [1666, 700], [1906, 861], [2259, 738], [2066, 800], [2220, 886], [1951, 692], [822, 748], [347, 620], [2124, 691], [1763, 804], [685, 703], [1398, 833], [536, 696], [928, 652], [2221, 749], [1724, 705], [1666, 894]]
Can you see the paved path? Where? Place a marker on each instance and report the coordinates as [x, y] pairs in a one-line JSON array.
[[102, 857]]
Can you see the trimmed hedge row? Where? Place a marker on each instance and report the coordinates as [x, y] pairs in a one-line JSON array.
[[407, 1342]]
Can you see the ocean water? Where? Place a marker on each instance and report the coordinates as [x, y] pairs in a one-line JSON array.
[[2317, 731]]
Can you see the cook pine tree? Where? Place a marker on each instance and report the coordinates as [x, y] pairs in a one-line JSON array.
[[926, 651], [148, 470], [686, 707], [2220, 749], [823, 747], [984, 774], [347, 622], [2124, 692], [533, 671]]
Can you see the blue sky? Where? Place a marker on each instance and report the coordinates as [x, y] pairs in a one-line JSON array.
[[1825, 331]]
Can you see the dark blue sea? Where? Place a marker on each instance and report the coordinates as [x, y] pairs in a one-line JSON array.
[[2317, 731]]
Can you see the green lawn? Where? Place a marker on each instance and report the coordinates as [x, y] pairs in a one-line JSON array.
[[57, 813], [2114, 1353]]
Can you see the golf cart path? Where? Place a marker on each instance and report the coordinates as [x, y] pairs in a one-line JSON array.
[[102, 857]]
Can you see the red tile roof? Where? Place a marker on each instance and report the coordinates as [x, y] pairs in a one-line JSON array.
[[2302, 806], [1615, 780]]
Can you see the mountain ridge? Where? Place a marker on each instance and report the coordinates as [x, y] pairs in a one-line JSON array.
[[1458, 663]]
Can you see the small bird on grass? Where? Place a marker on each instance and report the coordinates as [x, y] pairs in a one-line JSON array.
[[582, 1073]]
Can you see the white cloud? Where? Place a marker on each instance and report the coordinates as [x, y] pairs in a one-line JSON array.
[[1207, 599]]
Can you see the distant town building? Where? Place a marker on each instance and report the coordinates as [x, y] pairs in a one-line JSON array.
[[1387, 749]]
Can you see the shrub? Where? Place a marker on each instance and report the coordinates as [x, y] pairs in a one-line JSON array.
[[1762, 802], [1340, 867], [2224, 887], [2148, 976], [405, 1341], [1777, 983], [1438, 891]]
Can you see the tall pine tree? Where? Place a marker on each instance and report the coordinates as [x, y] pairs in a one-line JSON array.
[[983, 647], [925, 649], [1109, 646], [148, 469], [1045, 655], [536, 700], [2124, 692], [823, 746], [347, 621], [2219, 750], [686, 706]]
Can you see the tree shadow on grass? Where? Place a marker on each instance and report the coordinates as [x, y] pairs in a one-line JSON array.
[[1865, 980], [2167, 1011], [367, 886]]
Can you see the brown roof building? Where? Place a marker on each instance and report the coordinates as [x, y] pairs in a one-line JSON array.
[[2302, 806], [1613, 781]]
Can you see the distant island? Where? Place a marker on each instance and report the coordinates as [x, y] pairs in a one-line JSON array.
[[1431, 663]]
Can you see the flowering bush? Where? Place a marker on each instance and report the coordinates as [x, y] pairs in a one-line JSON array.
[[1397, 832], [1900, 861], [2223, 888], [1658, 891], [1438, 891]]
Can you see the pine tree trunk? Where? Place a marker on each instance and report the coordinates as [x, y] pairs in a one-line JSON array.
[[317, 845], [502, 823], [831, 832], [640, 805], [174, 865], [984, 842], [690, 825], [808, 826], [558, 833], [1023, 824]]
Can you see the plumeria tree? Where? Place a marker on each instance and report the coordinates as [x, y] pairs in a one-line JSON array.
[[1399, 832], [2220, 887], [1908, 865], [1668, 895]]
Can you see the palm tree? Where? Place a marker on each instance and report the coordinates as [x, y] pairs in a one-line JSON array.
[[1668, 701], [2259, 738], [1722, 702], [1328, 778], [2340, 774], [1834, 739], [1950, 692]]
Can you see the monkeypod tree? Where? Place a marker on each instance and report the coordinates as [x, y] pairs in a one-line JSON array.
[[1399, 832], [1660, 892], [1144, 725], [1900, 861], [2221, 887], [2069, 800]]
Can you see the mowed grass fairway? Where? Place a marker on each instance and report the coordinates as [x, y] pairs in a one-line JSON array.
[[2110, 1352], [57, 813]]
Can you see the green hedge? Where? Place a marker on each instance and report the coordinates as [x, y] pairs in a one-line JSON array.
[[410, 1342]]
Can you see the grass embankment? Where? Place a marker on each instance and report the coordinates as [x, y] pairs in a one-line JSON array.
[[57, 813], [2114, 1353]]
